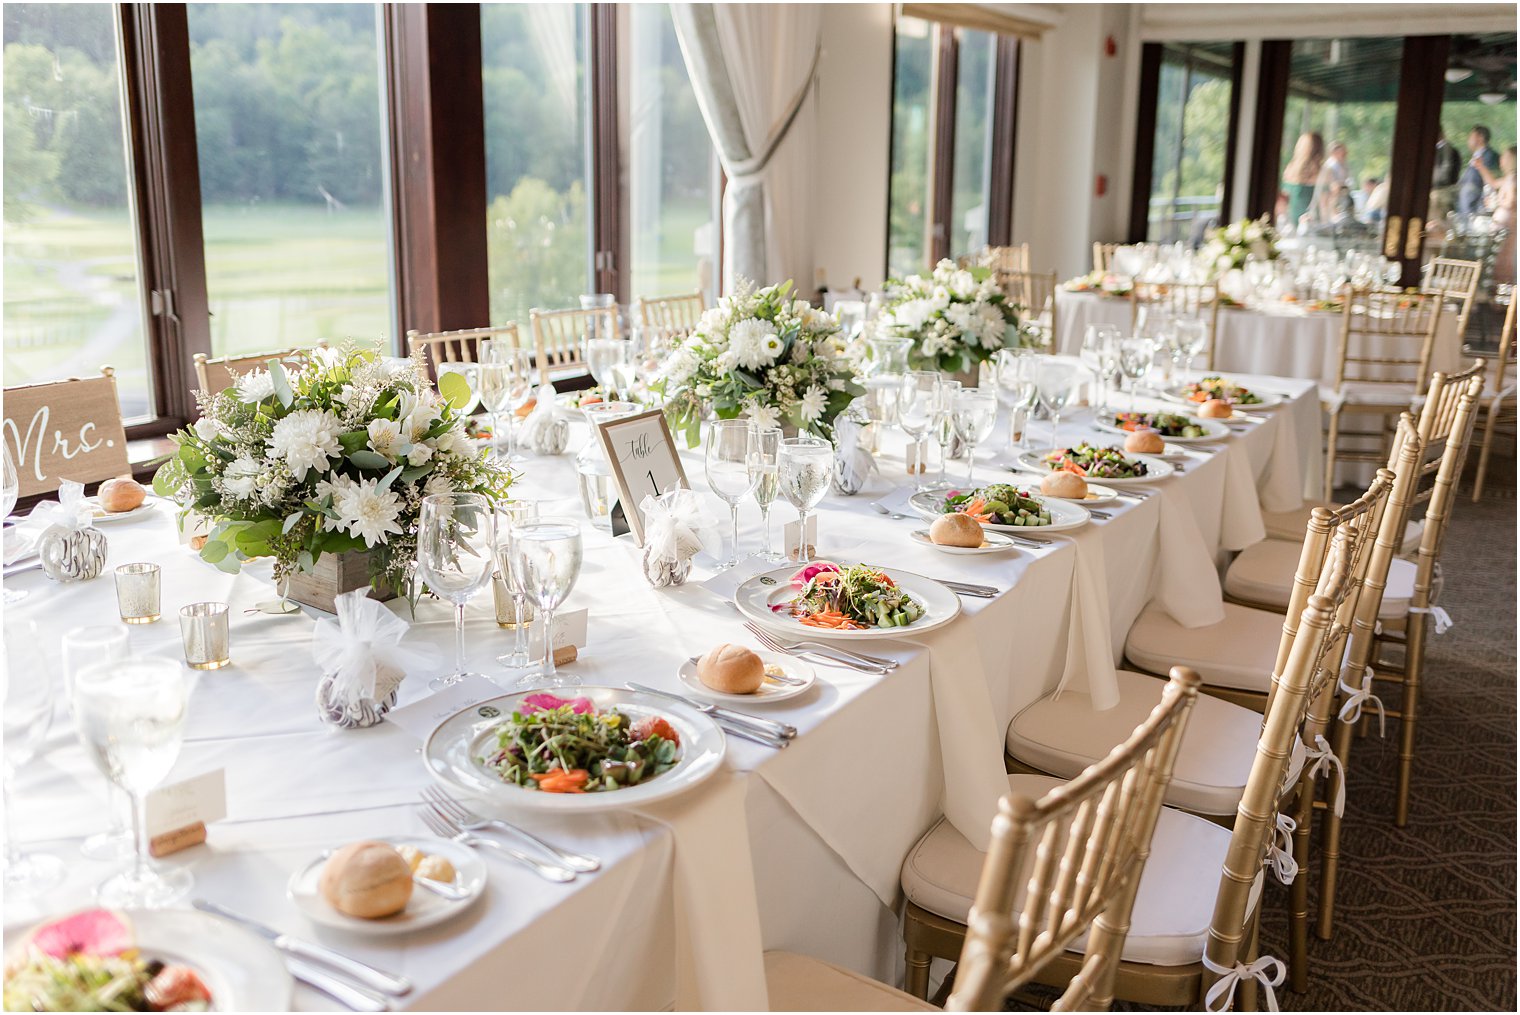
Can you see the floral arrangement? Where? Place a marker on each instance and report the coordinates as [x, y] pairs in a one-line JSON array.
[[759, 353], [334, 454], [957, 317], [1228, 246], [1105, 283]]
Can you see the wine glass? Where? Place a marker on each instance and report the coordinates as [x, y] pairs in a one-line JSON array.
[[131, 719], [1015, 378], [1054, 380], [974, 414], [944, 423], [917, 396], [509, 516], [805, 468], [764, 468], [546, 560], [10, 491], [606, 359], [456, 547], [1192, 338], [27, 691], [726, 452], [1135, 355], [506, 385], [1097, 354], [82, 647]]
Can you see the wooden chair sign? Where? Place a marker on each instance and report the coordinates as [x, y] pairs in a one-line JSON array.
[[65, 430]]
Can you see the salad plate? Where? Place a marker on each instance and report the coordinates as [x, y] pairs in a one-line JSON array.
[[1175, 428], [568, 404], [423, 909], [771, 690], [238, 969], [1215, 386], [1108, 460], [463, 752], [770, 599], [993, 542], [1021, 510]]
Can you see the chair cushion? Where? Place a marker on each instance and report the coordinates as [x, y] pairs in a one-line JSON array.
[[1237, 652], [1292, 525], [799, 983], [1263, 573], [1063, 736], [1172, 910]]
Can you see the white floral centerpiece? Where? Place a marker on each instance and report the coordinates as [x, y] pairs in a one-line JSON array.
[[761, 354], [330, 456], [1227, 247], [957, 317]]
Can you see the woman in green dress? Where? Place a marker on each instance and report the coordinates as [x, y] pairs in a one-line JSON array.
[[1302, 174]]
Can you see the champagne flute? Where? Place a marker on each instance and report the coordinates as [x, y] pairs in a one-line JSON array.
[[509, 516], [456, 547], [974, 414], [492, 387], [726, 454], [10, 491], [944, 424], [83, 647], [764, 449], [28, 707], [916, 399], [805, 470], [1135, 355], [1054, 380], [131, 720], [546, 560]]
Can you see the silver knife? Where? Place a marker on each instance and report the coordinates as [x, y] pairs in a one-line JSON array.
[[367, 975], [745, 733], [768, 726], [347, 994]]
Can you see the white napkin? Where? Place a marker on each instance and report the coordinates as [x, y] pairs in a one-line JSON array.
[[1089, 659], [1282, 484], [1187, 583], [1240, 522]]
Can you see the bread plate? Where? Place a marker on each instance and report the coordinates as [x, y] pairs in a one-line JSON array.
[[100, 515], [992, 542], [1065, 515], [769, 691], [760, 592], [423, 909], [1157, 468]]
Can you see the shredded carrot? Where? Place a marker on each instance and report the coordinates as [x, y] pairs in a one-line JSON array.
[[832, 620], [1071, 466], [560, 781], [973, 508]]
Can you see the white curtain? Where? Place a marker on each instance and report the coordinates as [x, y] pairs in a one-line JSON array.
[[753, 67]]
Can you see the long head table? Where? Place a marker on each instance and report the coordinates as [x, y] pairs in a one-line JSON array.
[[795, 849]]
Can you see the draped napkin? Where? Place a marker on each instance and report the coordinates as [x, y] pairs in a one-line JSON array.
[[1282, 484], [1187, 583], [1240, 522], [1089, 656]]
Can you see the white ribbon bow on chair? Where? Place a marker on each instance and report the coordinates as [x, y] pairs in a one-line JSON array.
[[1224, 987], [1280, 850], [1443, 619], [1325, 759], [1351, 711]]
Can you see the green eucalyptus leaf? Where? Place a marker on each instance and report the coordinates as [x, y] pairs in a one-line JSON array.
[[281, 383], [455, 390], [369, 460], [354, 440], [291, 521], [389, 478], [214, 551], [229, 565]]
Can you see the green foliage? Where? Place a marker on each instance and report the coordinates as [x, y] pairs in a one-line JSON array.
[[537, 240]]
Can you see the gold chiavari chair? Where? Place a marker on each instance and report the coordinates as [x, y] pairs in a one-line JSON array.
[[1383, 359], [1498, 408], [1457, 281], [1003, 260], [1184, 299], [69, 429], [223, 372], [430, 349], [558, 337], [670, 317], [1103, 256], [1036, 293]]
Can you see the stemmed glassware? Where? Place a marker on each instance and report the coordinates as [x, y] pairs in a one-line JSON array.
[[764, 468], [609, 361], [1015, 378], [917, 397], [974, 414], [805, 470], [726, 453], [506, 385], [944, 423], [10, 491], [1098, 356], [1055, 380], [546, 561], [27, 694], [1192, 337], [509, 516], [456, 554], [84, 647], [1135, 355], [131, 719]]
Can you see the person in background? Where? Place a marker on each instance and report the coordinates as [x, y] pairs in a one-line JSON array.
[[1332, 191], [1301, 175], [1375, 204], [1470, 187], [1443, 180], [1504, 211]]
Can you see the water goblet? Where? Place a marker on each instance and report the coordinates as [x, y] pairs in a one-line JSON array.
[[456, 553], [82, 647], [805, 470], [974, 414], [1192, 338], [1055, 381], [510, 515], [1015, 378], [546, 561], [944, 424], [917, 396], [765, 468], [27, 693], [1135, 355], [726, 455]]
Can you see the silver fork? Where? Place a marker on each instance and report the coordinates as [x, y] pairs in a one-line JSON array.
[[779, 678], [865, 664], [472, 822], [889, 513], [442, 826]]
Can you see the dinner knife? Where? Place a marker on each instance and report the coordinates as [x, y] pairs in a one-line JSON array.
[[367, 975], [744, 733], [350, 995], [767, 726]]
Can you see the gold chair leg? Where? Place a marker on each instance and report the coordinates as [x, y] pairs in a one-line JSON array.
[[1330, 837], [1248, 987], [1488, 440], [1298, 892], [1414, 662], [916, 980], [1332, 437]]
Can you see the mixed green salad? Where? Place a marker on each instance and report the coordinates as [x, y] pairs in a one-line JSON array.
[[1098, 463], [850, 599], [999, 504], [1167, 424], [1218, 387], [564, 745]]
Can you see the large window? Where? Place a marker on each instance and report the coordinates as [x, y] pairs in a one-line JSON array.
[[1191, 138], [533, 66], [976, 63], [909, 199], [72, 296]]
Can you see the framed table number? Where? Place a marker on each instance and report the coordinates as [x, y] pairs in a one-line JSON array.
[[644, 462]]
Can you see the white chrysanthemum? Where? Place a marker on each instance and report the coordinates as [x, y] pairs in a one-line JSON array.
[[763, 416], [960, 316], [208, 429], [306, 439], [454, 441], [679, 367], [366, 511], [437, 482], [962, 284], [814, 401], [747, 339], [255, 386], [911, 315], [385, 438], [726, 360], [241, 478]]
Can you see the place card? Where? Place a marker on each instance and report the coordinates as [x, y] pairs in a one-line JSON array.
[[790, 534], [421, 717], [897, 501], [725, 583], [569, 630], [177, 814]]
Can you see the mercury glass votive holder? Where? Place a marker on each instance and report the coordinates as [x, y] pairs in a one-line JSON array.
[[138, 588], [207, 641]]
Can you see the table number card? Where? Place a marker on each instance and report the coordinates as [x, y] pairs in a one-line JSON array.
[[644, 462]]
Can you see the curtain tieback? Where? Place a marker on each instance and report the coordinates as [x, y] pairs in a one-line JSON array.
[[1325, 759], [740, 170], [1443, 619], [1351, 711], [1268, 970]]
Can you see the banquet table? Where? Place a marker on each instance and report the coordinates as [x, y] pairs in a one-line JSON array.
[[796, 849]]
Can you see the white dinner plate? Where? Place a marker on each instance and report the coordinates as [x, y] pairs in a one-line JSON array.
[[1065, 515], [242, 971], [567, 406], [1214, 430], [423, 909], [1269, 399], [454, 752], [1157, 468], [992, 542], [100, 515], [769, 691], [759, 593]]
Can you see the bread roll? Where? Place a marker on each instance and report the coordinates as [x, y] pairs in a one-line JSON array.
[[366, 879], [956, 529], [412, 855], [1065, 485], [1216, 408], [1144, 442], [436, 868], [117, 495], [732, 669]]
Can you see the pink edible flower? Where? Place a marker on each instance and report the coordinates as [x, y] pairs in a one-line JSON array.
[[543, 701], [810, 572]]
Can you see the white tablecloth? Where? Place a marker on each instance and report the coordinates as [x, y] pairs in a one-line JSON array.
[[821, 828]]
